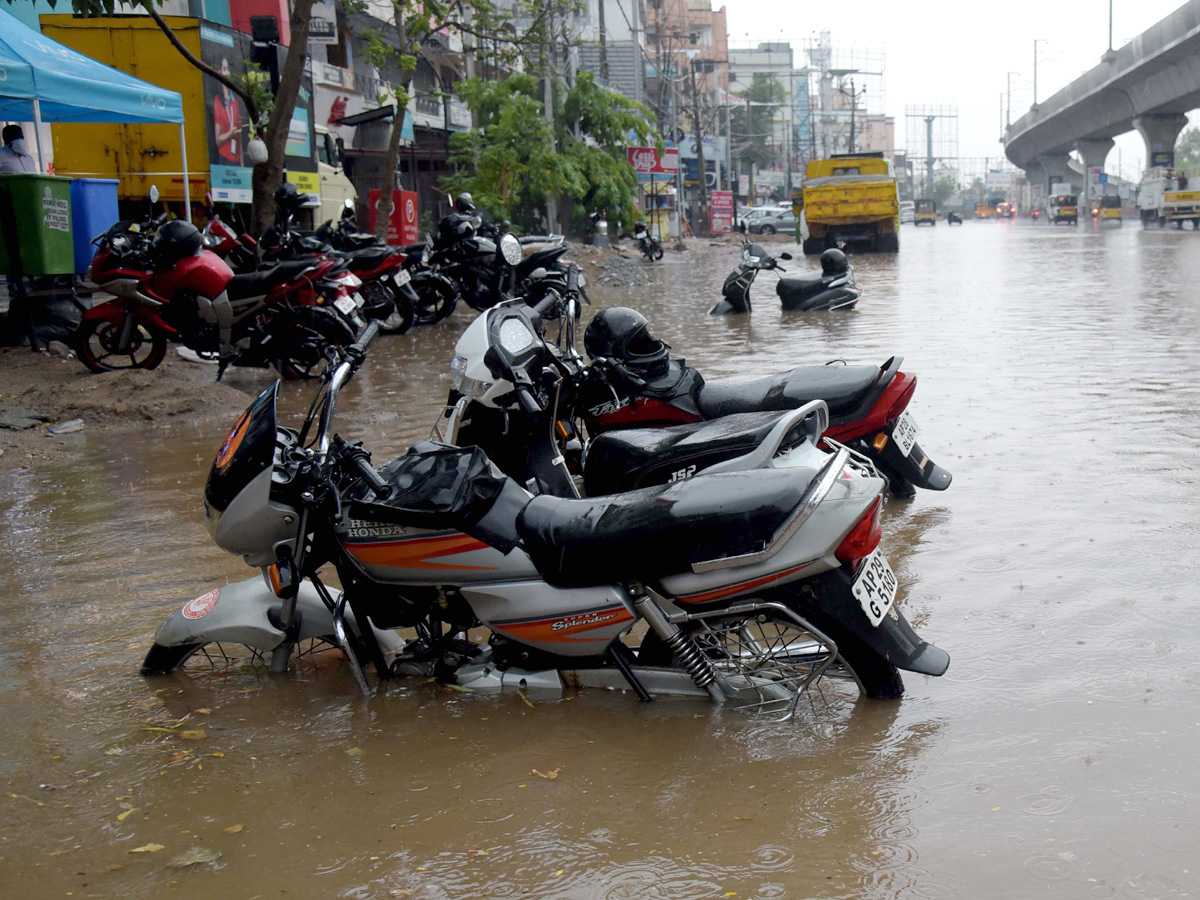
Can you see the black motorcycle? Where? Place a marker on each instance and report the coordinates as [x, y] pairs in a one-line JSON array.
[[647, 242], [469, 259], [832, 288]]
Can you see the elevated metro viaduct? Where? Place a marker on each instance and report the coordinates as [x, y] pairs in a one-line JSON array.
[[1147, 85]]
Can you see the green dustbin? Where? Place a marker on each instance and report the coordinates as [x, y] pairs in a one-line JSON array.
[[40, 207]]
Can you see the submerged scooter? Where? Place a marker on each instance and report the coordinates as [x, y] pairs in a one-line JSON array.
[[754, 585], [832, 288]]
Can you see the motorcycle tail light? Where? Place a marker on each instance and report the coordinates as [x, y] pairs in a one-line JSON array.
[[863, 537], [901, 402]]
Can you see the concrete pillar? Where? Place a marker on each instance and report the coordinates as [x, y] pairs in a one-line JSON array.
[[1055, 169], [1036, 176], [1160, 132], [1094, 154]]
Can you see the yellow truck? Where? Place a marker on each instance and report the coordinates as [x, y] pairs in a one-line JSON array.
[[852, 198]]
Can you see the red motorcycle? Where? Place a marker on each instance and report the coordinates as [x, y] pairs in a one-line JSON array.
[[633, 383], [168, 288]]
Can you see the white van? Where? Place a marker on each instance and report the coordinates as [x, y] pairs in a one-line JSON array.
[[336, 188]]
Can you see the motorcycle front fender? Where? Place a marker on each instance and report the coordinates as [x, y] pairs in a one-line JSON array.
[[242, 613], [115, 311], [894, 638]]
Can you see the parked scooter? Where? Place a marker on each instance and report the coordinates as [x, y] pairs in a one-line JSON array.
[[647, 242], [832, 288], [167, 287], [754, 584]]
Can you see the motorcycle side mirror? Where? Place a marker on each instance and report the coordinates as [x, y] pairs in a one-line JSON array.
[[153, 195], [510, 249], [785, 256]]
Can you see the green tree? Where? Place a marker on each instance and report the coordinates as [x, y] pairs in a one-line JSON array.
[[1187, 151], [945, 186], [517, 158], [269, 117], [753, 121]]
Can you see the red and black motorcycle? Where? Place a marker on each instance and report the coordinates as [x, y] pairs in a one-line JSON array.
[[167, 288], [633, 382]]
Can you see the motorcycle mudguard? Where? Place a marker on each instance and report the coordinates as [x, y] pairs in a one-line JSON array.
[[894, 638], [917, 467], [115, 311], [241, 613], [725, 308]]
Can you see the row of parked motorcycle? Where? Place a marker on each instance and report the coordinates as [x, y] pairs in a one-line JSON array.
[[609, 517], [283, 298]]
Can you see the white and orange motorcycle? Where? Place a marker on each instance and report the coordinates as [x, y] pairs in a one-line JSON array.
[[749, 585]]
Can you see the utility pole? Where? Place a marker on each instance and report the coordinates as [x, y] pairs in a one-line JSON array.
[[929, 155], [1008, 108], [1036, 41], [603, 45], [702, 168]]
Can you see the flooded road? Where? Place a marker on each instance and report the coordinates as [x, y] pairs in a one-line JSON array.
[[1059, 380]]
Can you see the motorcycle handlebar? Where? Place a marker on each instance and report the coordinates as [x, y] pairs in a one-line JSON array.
[[378, 486], [573, 280], [547, 303]]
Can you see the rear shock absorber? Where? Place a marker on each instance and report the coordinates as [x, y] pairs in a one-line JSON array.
[[690, 656]]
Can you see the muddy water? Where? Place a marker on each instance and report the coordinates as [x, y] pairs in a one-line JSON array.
[[1058, 381]]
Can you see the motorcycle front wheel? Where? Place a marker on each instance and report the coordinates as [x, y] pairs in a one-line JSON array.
[[393, 312], [304, 342], [97, 344], [436, 299], [222, 658]]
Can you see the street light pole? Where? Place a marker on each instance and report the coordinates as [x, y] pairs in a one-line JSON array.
[[1036, 41], [1008, 107]]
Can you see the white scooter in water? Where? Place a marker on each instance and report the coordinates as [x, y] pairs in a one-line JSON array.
[[833, 287], [753, 584]]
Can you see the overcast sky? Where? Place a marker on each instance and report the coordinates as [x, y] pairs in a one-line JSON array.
[[959, 52]]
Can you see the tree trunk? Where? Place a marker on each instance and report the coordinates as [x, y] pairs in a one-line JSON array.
[[269, 175], [383, 214]]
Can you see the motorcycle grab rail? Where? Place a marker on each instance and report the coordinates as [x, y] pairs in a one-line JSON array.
[[762, 455], [816, 493]]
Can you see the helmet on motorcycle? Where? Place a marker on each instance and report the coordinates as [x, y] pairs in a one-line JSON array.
[[623, 334], [287, 194], [833, 262], [464, 203], [177, 240]]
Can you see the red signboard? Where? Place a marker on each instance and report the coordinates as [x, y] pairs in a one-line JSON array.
[[648, 161], [403, 228], [720, 205]]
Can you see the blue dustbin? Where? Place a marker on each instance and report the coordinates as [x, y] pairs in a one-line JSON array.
[[93, 212]]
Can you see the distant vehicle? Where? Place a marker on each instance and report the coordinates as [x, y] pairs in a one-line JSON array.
[[851, 198], [1063, 208], [982, 211], [1110, 208], [1005, 210], [907, 211], [771, 219], [1164, 197], [926, 212], [953, 218]]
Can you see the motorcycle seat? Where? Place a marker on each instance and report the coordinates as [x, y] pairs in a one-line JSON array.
[[254, 284], [638, 457], [841, 387], [657, 531], [368, 256], [414, 248]]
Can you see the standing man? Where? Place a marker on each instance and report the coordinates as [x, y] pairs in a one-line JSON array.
[[14, 155]]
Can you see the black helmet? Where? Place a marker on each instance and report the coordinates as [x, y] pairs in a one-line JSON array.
[[287, 194], [464, 203], [833, 262], [623, 334], [177, 240]]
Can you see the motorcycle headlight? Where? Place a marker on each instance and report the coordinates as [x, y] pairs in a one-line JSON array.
[[471, 388], [515, 336]]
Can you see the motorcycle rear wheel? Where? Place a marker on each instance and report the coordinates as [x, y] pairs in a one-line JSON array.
[[765, 650], [381, 298], [436, 300], [96, 341], [307, 343]]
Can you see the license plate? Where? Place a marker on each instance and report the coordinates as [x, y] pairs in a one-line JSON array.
[[345, 305], [904, 433], [402, 278], [875, 587]]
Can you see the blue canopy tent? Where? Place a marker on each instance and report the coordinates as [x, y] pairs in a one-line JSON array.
[[45, 81]]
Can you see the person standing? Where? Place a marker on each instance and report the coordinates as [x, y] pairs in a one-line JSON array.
[[14, 155]]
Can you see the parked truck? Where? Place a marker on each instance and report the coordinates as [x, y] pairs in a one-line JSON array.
[[850, 197], [216, 122], [1164, 196]]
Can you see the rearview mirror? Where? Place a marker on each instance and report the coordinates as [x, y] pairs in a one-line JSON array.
[[154, 193], [510, 249], [785, 256]]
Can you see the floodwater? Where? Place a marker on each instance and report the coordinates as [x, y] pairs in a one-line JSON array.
[[1059, 380]]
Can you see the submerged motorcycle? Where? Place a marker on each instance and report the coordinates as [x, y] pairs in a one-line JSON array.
[[833, 287], [647, 242], [752, 585]]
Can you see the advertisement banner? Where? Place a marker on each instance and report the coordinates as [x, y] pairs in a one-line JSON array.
[[403, 224], [721, 208], [743, 184], [1094, 181], [309, 183], [648, 161]]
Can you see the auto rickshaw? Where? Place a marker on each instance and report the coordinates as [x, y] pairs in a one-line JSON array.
[[926, 212], [1110, 209]]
